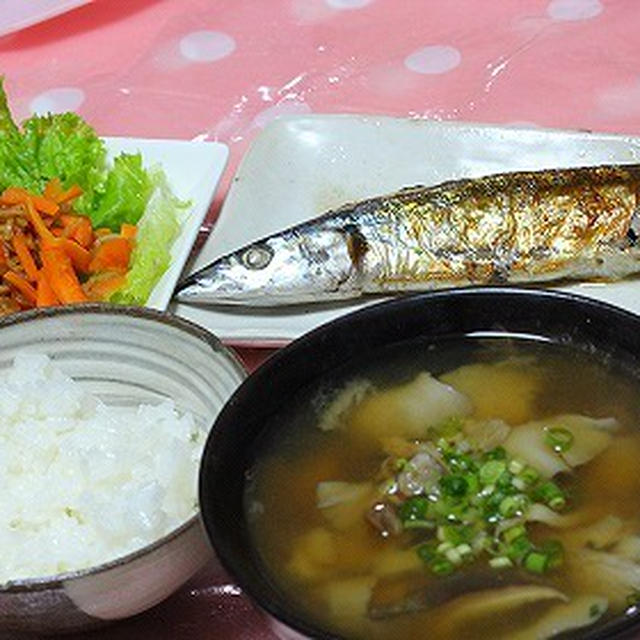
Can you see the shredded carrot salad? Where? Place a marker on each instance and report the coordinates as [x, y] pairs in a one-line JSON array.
[[51, 255]]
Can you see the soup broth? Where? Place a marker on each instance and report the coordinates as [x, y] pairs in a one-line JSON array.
[[474, 489]]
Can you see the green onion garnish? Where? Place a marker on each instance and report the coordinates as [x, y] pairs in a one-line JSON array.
[[454, 485], [536, 562], [551, 494], [559, 439], [491, 471], [415, 508], [475, 495], [442, 567]]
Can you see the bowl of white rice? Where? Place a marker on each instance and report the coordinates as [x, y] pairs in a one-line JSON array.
[[104, 411]]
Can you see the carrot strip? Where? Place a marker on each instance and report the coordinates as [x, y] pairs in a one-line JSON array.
[[41, 228], [3, 255], [83, 232], [102, 285], [24, 255], [53, 189], [111, 254], [45, 296], [78, 228], [14, 195], [59, 272], [128, 231], [18, 282], [67, 220], [17, 195], [45, 205], [79, 256], [74, 191]]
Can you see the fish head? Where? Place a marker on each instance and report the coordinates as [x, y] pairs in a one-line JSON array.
[[301, 265]]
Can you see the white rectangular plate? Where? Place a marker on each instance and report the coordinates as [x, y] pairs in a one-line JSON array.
[[299, 167], [193, 170], [20, 14]]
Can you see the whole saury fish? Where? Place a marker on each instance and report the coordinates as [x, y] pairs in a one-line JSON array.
[[521, 227]]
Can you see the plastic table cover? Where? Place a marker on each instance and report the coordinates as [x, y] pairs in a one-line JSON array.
[[202, 70]]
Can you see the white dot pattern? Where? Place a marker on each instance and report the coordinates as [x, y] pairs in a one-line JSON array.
[[206, 46], [348, 4], [574, 9], [57, 100], [433, 59]]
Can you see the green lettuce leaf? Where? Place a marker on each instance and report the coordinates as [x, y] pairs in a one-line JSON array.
[[157, 230], [125, 194], [63, 145]]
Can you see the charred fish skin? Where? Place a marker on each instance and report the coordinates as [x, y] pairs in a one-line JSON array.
[[520, 227]]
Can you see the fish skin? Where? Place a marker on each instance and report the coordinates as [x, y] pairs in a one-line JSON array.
[[520, 227]]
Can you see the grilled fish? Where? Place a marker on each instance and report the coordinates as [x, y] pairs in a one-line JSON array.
[[521, 227]]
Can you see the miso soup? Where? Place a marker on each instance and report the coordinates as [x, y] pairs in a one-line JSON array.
[[469, 490]]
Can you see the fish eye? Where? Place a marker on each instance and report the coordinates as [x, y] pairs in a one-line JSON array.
[[257, 257]]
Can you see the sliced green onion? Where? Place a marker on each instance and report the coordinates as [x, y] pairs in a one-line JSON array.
[[498, 453], [559, 439], [504, 481], [453, 556], [414, 508], [514, 532], [443, 547], [554, 551], [491, 471], [460, 462], [401, 463], [419, 524], [513, 505], [519, 484], [442, 567], [558, 503], [427, 552], [450, 427], [551, 494], [536, 562], [516, 466], [529, 475], [519, 548], [454, 485], [473, 483], [500, 562], [455, 534]]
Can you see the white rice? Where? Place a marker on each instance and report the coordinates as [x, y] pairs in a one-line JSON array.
[[83, 483]]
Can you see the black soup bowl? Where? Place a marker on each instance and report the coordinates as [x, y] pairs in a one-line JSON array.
[[366, 335]]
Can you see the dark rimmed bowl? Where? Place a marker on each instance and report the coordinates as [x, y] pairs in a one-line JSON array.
[[473, 312], [125, 356]]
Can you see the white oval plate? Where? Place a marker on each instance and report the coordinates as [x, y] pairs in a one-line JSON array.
[[300, 167], [193, 170]]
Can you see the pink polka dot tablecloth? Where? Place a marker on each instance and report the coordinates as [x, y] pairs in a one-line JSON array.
[[204, 70]]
